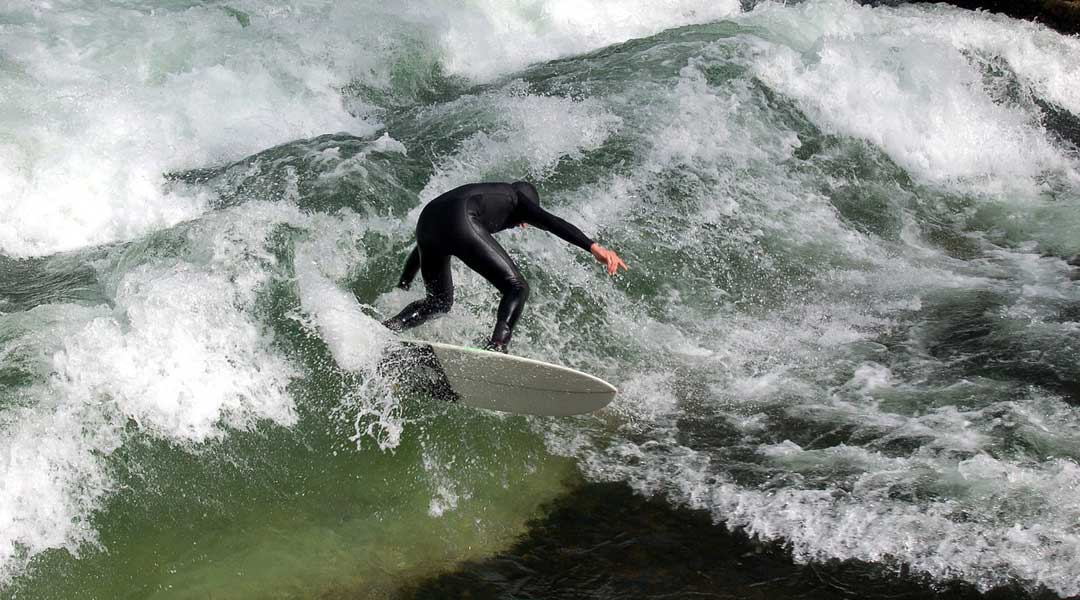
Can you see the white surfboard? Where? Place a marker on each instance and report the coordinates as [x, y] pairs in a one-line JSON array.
[[504, 382]]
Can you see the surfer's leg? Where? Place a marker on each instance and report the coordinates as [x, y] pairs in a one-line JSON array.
[[485, 256], [412, 265], [435, 269]]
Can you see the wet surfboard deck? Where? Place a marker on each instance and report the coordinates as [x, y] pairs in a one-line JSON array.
[[496, 381]]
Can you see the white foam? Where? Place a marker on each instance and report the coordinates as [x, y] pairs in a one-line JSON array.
[[357, 343], [445, 496], [51, 479], [900, 78], [496, 37], [355, 339], [106, 99], [176, 362], [528, 138], [103, 100], [180, 363], [179, 353]]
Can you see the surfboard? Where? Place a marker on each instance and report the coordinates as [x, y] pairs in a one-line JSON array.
[[496, 381]]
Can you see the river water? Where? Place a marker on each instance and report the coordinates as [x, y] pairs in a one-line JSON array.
[[850, 324]]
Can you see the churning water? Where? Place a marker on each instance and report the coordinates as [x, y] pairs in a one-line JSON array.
[[850, 324]]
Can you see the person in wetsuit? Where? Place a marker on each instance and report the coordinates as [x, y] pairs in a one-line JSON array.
[[461, 223]]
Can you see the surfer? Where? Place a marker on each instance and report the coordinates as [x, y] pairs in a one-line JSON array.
[[461, 223]]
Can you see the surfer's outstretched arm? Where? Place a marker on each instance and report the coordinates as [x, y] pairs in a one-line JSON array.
[[412, 265], [535, 215]]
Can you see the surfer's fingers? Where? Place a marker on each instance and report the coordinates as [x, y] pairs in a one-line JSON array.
[[615, 263]]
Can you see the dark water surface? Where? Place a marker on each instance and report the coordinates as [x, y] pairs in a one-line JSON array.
[[602, 542]]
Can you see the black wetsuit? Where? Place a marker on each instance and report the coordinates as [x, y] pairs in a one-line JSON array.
[[461, 223]]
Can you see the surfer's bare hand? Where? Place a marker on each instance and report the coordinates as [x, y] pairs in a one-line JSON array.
[[609, 259]]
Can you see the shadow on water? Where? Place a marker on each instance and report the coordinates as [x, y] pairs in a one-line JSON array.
[[603, 541]]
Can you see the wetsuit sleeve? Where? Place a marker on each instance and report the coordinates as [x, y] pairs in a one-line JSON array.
[[412, 265], [535, 215]]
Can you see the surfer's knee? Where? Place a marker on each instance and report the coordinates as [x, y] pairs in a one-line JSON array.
[[517, 288]]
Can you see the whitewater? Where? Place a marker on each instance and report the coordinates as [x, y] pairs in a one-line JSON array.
[[851, 323]]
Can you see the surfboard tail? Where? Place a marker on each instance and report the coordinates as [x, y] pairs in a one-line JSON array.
[[415, 368]]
